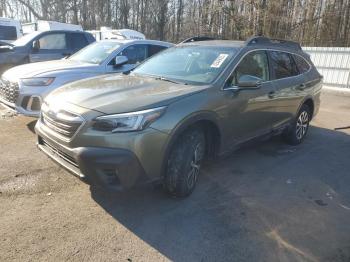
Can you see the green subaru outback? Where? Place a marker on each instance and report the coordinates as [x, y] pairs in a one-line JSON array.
[[189, 103]]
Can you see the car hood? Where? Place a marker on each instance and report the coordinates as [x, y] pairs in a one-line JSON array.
[[121, 93], [37, 69]]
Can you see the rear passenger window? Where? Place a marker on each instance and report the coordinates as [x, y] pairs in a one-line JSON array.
[[8, 32], [154, 49], [78, 41], [302, 65], [283, 65], [253, 64]]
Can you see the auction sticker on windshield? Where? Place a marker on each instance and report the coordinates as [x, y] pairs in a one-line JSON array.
[[219, 60]]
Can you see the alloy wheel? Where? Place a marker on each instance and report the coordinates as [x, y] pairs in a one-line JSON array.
[[302, 125], [195, 166]]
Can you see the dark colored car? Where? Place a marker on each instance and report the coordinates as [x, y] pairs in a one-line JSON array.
[[188, 103], [42, 46]]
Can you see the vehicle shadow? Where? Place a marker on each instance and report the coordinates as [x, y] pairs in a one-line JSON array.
[[258, 204]]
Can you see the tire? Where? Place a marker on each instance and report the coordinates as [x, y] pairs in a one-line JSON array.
[[296, 133], [184, 163]]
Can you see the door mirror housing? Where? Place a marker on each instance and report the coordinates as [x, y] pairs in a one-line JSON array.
[[249, 81], [6, 48], [120, 61], [36, 45]]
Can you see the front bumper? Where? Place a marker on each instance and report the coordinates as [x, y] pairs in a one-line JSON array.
[[114, 169], [24, 100], [29, 109], [113, 160]]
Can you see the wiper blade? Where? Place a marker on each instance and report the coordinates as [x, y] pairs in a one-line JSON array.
[[169, 80]]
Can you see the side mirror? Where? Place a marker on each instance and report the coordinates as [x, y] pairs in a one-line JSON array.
[[6, 48], [248, 81], [36, 45], [120, 60]]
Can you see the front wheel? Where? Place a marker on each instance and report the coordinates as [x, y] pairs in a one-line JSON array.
[[298, 130], [184, 163]]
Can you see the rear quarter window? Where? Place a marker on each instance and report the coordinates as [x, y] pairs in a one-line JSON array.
[[302, 65]]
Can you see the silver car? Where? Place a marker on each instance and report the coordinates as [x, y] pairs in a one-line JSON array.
[[24, 87]]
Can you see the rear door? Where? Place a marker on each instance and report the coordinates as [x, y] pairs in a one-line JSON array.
[[250, 112], [289, 84], [52, 46]]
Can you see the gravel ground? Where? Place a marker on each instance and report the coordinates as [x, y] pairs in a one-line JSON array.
[[265, 202]]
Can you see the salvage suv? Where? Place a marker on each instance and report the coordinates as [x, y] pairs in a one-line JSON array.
[[191, 102]]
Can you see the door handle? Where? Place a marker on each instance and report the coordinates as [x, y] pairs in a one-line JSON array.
[[271, 94]]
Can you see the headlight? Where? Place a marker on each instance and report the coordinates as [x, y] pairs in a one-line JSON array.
[[127, 122], [37, 81]]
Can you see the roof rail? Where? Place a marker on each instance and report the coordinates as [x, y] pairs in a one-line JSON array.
[[261, 40], [196, 39]]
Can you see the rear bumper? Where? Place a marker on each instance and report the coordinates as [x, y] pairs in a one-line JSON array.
[[114, 169]]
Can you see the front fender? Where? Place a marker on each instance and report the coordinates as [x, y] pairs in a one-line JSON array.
[[189, 121]]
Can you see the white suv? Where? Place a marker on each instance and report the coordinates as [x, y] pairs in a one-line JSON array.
[[24, 87]]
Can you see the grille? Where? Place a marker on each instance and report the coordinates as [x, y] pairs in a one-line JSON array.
[[9, 91], [64, 123], [60, 153]]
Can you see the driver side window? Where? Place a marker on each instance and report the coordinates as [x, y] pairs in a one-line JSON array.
[[53, 42], [135, 53], [253, 64]]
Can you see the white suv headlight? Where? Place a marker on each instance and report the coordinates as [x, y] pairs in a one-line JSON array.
[[127, 122], [37, 81]]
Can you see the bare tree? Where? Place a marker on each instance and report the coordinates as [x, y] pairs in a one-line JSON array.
[[311, 22]]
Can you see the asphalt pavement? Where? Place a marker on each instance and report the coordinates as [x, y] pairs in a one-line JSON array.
[[265, 202]]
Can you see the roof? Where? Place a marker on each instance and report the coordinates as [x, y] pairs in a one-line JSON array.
[[253, 42], [145, 41]]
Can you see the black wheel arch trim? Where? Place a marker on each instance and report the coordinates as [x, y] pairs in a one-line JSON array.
[[309, 97], [184, 125]]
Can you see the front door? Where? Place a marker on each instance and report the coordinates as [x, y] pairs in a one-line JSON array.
[[136, 54], [52, 46], [250, 112]]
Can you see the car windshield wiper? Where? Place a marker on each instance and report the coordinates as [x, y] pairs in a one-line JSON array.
[[169, 80]]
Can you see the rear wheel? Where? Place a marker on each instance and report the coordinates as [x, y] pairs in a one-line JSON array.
[[184, 163], [297, 132]]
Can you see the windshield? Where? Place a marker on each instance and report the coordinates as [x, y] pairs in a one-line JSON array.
[[95, 53], [25, 39], [194, 64]]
